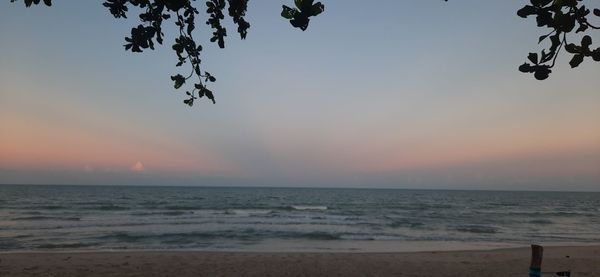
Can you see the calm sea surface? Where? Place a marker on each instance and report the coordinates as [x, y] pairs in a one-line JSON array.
[[110, 217]]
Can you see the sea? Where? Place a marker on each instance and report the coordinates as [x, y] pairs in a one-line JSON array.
[[114, 218]]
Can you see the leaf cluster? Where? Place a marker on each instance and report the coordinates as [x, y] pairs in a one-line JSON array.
[[300, 15], [153, 13], [28, 3], [563, 17]]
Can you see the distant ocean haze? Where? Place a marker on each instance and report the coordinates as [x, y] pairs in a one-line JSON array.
[[311, 219]]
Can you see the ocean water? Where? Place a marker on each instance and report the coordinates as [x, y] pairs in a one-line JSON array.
[[308, 219]]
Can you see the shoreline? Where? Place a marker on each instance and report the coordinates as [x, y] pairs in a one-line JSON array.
[[581, 260], [287, 246]]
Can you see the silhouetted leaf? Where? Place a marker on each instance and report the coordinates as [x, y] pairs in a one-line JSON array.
[[533, 57], [317, 9], [526, 68], [209, 94], [586, 41], [178, 80], [288, 12], [527, 11], [596, 55], [542, 72], [572, 48], [576, 60], [300, 21]]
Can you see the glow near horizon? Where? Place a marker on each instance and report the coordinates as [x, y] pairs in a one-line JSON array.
[[379, 97]]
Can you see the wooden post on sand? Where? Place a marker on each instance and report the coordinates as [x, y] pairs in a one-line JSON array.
[[535, 268]]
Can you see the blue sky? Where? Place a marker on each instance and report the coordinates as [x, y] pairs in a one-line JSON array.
[[420, 94]]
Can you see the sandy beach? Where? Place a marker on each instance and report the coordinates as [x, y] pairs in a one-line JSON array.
[[581, 260]]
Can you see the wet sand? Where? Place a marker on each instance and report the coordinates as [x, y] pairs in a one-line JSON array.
[[581, 260]]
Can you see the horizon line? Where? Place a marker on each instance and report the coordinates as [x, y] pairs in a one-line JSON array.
[[298, 187]]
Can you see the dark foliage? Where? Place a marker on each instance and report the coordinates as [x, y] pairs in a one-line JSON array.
[[152, 14], [562, 17], [300, 15]]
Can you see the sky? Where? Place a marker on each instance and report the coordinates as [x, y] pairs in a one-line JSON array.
[[401, 94]]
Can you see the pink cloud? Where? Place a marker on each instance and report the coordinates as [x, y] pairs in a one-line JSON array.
[[137, 167]]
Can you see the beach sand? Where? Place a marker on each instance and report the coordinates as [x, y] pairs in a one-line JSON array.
[[582, 261]]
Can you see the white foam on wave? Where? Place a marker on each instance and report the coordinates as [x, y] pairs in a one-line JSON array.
[[306, 207], [248, 212]]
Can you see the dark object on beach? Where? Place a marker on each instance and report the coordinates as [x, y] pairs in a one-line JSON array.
[[535, 268]]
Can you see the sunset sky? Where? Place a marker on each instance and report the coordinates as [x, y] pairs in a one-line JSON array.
[[401, 94]]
